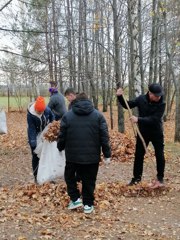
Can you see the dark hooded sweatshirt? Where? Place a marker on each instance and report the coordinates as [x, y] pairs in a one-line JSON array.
[[83, 133]]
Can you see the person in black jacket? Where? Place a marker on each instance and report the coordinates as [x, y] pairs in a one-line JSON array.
[[151, 108], [83, 134], [38, 117]]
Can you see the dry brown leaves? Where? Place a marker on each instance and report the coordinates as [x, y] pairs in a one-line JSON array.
[[53, 131], [56, 194], [17, 131], [110, 190], [45, 207], [122, 146], [41, 210]]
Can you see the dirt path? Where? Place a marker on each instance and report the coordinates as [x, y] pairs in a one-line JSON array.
[[35, 212]]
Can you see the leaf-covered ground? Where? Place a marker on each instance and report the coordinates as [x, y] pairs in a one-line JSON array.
[[29, 211]]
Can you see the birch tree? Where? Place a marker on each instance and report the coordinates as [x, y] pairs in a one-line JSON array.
[[135, 79]]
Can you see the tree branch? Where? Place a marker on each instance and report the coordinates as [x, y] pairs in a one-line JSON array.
[[17, 54], [15, 30], [5, 5]]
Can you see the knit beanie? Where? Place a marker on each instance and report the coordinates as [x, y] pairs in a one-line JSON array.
[[40, 104]]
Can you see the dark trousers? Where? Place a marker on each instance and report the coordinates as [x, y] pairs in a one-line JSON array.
[[158, 144], [35, 162], [88, 174]]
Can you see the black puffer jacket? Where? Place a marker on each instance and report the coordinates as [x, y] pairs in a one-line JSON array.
[[150, 113], [83, 133]]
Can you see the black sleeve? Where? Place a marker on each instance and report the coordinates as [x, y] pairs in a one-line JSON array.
[[104, 137], [61, 142], [31, 132], [131, 103]]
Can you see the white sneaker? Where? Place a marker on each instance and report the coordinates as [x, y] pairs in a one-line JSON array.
[[88, 209], [76, 204], [156, 184]]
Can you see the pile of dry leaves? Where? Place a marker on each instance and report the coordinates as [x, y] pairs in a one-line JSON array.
[[53, 131]]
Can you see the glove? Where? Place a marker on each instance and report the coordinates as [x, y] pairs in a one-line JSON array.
[[107, 160]]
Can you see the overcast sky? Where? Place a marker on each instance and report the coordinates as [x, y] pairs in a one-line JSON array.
[[5, 18]]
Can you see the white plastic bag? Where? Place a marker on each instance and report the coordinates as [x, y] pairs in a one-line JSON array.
[[3, 125], [38, 149], [40, 140], [51, 163]]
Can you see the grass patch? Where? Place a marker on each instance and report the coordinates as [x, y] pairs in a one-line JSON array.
[[13, 102], [16, 103]]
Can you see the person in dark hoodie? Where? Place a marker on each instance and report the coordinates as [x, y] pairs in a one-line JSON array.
[[83, 134], [57, 102], [38, 117], [151, 108], [70, 95]]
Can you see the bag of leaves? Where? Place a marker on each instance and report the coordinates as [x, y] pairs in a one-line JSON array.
[[3, 124], [40, 140], [51, 164], [50, 133]]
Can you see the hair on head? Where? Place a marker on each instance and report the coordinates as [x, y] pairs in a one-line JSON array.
[[69, 91], [81, 96]]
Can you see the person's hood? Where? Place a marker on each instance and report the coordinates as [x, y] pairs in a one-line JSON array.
[[82, 107], [32, 110]]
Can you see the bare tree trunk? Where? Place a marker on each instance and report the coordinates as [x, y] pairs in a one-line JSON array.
[[102, 64], [110, 92], [48, 48], [156, 44], [140, 37], [80, 44], [160, 55], [55, 41], [93, 88], [73, 50], [176, 83], [177, 119], [153, 40], [88, 72], [166, 95], [135, 81], [70, 55], [117, 64], [59, 64]]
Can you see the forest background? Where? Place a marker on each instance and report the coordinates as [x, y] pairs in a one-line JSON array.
[[92, 46]]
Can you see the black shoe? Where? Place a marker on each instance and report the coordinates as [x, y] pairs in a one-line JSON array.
[[35, 180], [134, 181], [161, 180]]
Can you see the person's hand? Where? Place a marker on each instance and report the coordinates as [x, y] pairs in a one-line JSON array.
[[119, 92], [107, 161], [134, 119]]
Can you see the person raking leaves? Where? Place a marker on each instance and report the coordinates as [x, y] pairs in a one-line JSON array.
[[151, 107]]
